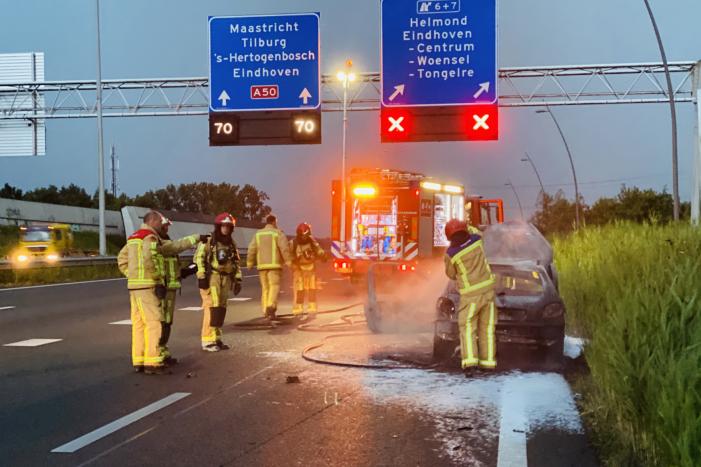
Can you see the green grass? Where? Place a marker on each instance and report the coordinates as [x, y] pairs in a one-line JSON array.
[[634, 291], [52, 275], [9, 236]]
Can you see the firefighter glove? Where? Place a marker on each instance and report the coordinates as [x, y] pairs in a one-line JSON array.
[[203, 284], [204, 238], [237, 287], [188, 271]]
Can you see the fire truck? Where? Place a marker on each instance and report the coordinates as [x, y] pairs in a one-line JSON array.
[[400, 217]]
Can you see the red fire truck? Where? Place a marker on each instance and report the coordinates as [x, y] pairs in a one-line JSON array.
[[399, 216]]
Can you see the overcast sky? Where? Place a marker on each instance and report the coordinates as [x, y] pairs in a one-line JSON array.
[[168, 38]]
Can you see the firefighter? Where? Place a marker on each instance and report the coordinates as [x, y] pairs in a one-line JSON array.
[[466, 263], [305, 253], [268, 251], [173, 276], [142, 262], [218, 272]]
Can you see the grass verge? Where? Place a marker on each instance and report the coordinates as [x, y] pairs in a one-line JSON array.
[[633, 290], [53, 275]]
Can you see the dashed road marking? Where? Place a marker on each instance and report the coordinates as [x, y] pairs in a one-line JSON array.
[[124, 322], [32, 343], [240, 299], [513, 426], [6, 308], [120, 423], [250, 275], [191, 308]]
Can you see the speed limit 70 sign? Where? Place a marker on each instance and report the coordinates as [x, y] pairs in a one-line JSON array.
[[223, 129]]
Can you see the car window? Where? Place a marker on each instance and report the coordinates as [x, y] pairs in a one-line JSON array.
[[519, 283]]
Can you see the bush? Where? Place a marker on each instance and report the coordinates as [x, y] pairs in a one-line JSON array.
[[633, 290]]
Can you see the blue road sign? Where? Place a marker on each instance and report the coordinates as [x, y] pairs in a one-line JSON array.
[[438, 52], [264, 62]]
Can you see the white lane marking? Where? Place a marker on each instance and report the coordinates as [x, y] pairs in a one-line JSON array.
[[61, 284], [191, 308], [240, 299], [6, 308], [32, 343], [251, 275], [120, 423], [513, 425], [125, 322]]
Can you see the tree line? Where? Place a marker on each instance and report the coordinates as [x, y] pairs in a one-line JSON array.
[[245, 202], [556, 213]]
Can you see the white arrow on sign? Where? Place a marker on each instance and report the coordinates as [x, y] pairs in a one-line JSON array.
[[223, 97], [397, 91], [484, 87], [305, 95]]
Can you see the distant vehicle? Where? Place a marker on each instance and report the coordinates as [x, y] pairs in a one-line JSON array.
[[399, 217], [45, 243], [531, 314]]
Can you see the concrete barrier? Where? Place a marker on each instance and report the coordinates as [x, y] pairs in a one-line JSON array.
[[15, 212]]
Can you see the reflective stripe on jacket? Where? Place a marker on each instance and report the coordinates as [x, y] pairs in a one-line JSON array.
[[172, 270], [305, 255], [469, 267], [142, 261], [269, 249]]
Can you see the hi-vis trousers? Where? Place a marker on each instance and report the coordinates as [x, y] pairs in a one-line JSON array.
[[216, 296], [270, 287], [146, 317], [304, 281], [477, 321], [168, 304]]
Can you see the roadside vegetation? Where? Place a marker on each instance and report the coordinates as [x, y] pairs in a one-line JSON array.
[[634, 291], [54, 275]]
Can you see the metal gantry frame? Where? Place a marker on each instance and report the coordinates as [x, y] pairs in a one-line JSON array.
[[638, 83]]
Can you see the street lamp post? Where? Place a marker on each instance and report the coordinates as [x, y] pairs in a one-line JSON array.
[[673, 110], [518, 200], [345, 76], [535, 169], [100, 145], [569, 154]]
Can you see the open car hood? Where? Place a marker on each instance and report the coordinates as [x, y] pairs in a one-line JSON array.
[[516, 242]]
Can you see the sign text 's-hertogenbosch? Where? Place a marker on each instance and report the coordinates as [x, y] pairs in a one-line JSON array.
[[264, 62], [438, 52]]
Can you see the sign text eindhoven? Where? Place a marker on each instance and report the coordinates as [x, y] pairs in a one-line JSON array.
[[264, 62], [439, 70], [264, 80]]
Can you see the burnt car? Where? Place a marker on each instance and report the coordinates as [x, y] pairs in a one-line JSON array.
[[530, 329]]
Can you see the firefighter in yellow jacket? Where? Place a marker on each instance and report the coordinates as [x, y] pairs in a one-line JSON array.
[[305, 253], [268, 251], [466, 263], [173, 276], [142, 262], [218, 272]]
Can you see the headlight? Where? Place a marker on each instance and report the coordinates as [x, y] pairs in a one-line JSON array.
[[52, 257], [554, 310], [22, 258]]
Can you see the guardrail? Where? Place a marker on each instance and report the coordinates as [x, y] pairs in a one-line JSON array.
[[69, 262]]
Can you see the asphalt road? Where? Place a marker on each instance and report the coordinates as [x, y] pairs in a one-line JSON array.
[[236, 407]]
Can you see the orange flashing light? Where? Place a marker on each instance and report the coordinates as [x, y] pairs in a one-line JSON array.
[[364, 191]]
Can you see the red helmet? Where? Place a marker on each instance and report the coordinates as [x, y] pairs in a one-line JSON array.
[[454, 226], [225, 218], [304, 229]]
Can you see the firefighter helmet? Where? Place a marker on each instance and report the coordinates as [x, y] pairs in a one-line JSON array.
[[304, 229], [454, 226], [225, 218]]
